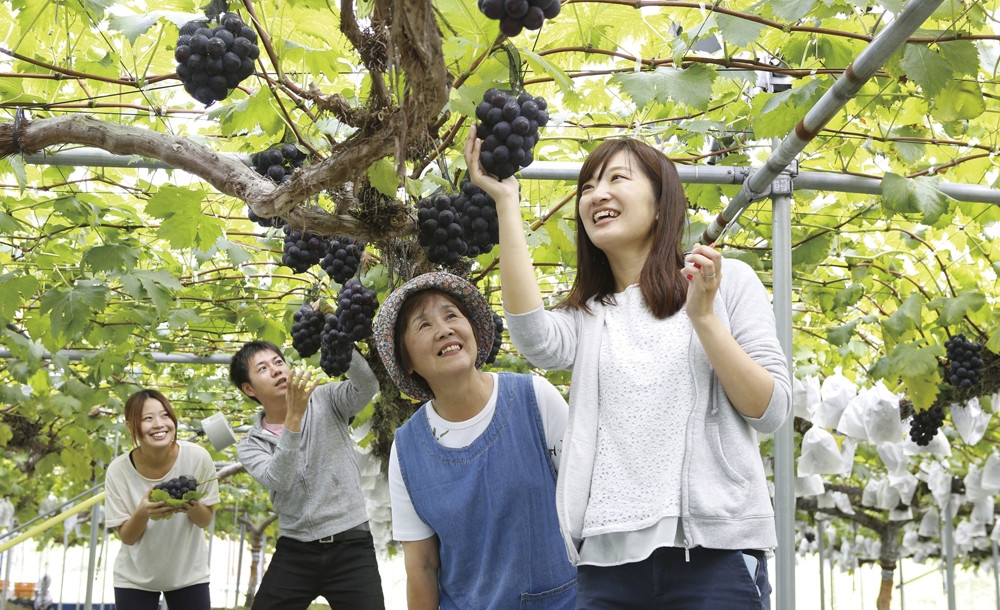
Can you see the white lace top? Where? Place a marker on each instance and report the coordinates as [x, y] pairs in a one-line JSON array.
[[644, 401]]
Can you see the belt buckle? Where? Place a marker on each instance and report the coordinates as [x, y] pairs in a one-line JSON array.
[[328, 539]]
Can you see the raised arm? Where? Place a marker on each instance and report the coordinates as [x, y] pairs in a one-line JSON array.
[[518, 283]]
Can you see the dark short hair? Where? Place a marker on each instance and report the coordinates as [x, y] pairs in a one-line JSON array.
[[239, 367], [133, 411]]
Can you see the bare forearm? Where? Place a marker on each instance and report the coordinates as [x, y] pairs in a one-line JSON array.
[[421, 590], [132, 530], [518, 283], [200, 515]]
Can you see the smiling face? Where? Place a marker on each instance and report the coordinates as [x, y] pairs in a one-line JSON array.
[[156, 425], [268, 373], [617, 207], [436, 339]]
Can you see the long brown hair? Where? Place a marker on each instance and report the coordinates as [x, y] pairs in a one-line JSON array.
[[133, 412], [663, 288]]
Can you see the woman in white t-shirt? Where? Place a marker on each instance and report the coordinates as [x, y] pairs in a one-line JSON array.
[[163, 548]]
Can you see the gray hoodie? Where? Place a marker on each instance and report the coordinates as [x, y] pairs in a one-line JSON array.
[[725, 502], [313, 474]]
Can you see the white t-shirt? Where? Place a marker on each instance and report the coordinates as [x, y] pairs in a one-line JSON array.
[[406, 525], [172, 553]]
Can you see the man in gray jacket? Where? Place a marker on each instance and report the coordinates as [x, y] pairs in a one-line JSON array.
[[300, 448]]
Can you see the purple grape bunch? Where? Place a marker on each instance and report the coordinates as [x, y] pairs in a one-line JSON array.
[[211, 62], [277, 164], [965, 362], [352, 322], [517, 15], [302, 249], [307, 330], [343, 258], [456, 225], [508, 126]]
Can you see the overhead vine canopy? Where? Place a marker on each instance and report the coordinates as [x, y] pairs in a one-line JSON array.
[[120, 261]]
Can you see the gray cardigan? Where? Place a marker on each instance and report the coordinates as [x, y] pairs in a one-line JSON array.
[[313, 474], [725, 502]]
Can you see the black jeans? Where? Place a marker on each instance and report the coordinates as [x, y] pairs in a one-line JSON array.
[[344, 571], [195, 597]]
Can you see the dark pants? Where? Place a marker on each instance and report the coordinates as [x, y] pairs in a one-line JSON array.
[[343, 571], [195, 597], [711, 580]]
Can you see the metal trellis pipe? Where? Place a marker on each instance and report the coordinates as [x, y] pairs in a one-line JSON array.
[[843, 90], [570, 170], [784, 437]]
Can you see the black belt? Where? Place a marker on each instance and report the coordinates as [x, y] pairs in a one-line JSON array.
[[358, 531]]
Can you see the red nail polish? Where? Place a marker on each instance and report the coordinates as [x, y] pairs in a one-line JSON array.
[[690, 276]]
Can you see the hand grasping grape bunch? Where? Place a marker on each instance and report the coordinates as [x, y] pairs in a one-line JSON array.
[[965, 361], [515, 15], [508, 126], [178, 487], [211, 62]]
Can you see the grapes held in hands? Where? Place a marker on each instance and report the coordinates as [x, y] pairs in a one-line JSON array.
[[179, 486]]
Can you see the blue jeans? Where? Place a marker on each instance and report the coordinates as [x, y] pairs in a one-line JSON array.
[[343, 571], [711, 580], [195, 597]]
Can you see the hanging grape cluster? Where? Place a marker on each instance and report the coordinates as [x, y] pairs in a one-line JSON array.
[[965, 363], [179, 486], [307, 330], [211, 62], [276, 163], [302, 249], [497, 338], [279, 162], [515, 15], [456, 225], [925, 425], [508, 126], [342, 259], [352, 322]]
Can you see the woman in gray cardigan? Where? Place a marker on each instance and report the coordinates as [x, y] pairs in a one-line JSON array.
[[676, 365]]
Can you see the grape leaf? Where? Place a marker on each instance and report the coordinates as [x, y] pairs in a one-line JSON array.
[[791, 10], [111, 257], [691, 86], [69, 308], [736, 31], [908, 195], [953, 310], [926, 68], [959, 101], [904, 318], [161, 495], [184, 225]]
